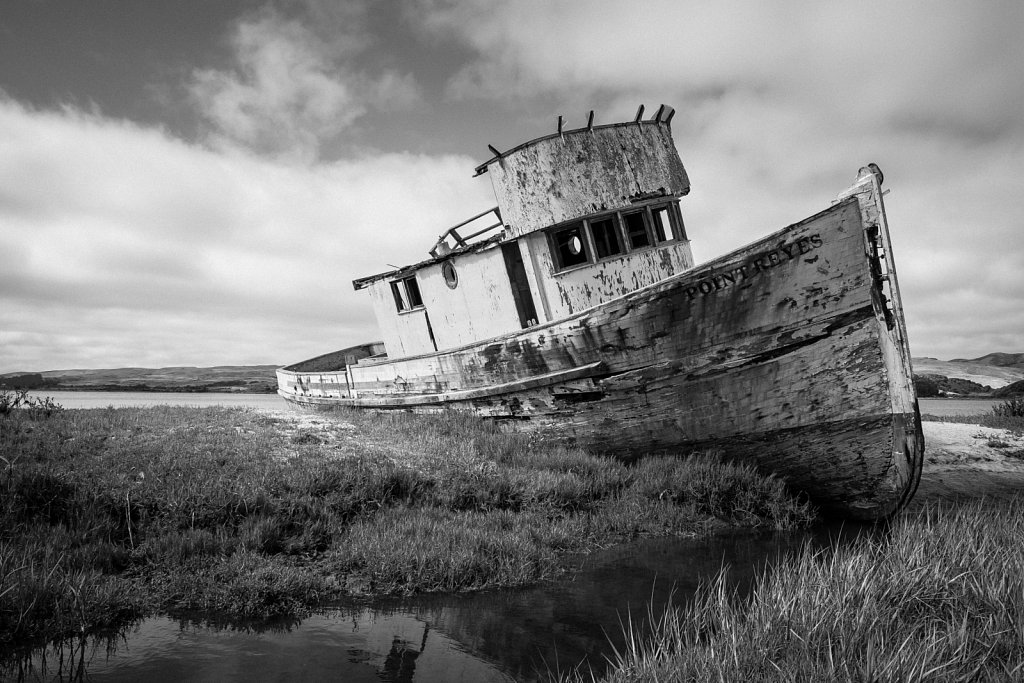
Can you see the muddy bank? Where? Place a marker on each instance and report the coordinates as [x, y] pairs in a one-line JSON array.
[[964, 461]]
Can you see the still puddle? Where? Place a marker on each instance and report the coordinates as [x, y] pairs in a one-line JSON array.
[[508, 635]]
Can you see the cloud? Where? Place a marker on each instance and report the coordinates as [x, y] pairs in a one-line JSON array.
[[290, 89], [124, 246], [874, 61]]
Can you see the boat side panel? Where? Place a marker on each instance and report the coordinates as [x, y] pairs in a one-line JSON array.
[[333, 385], [816, 414], [479, 307], [405, 333], [835, 376]]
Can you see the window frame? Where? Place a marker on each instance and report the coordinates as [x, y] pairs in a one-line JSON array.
[[616, 231], [648, 231], [675, 220], [618, 218], [404, 294], [556, 250], [449, 274]]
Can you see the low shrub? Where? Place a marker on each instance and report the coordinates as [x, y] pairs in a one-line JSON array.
[[1014, 407], [35, 406]]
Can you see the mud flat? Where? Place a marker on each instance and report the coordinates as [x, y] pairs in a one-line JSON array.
[[968, 461]]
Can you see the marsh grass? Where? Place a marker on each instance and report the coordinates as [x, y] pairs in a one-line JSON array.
[[112, 514], [939, 598], [1000, 418], [1013, 407]]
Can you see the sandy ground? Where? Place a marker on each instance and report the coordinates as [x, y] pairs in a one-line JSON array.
[[964, 461]]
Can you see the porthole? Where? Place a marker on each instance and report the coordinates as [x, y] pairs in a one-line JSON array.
[[451, 278]]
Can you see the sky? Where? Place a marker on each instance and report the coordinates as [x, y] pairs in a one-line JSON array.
[[198, 182]]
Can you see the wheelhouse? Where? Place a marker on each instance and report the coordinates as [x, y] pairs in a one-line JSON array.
[[583, 216]]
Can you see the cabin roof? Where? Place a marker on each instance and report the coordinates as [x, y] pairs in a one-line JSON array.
[[662, 116], [363, 282]]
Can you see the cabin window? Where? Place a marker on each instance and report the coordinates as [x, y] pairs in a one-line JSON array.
[[407, 294], [451, 278], [606, 237], [414, 292], [614, 234], [570, 246], [636, 229], [663, 231], [668, 226]]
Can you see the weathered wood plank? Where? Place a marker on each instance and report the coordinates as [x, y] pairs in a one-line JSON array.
[[584, 171]]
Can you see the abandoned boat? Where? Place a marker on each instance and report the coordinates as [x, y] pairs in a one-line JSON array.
[[576, 309]]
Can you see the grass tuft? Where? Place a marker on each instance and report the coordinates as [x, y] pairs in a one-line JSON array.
[[941, 597]]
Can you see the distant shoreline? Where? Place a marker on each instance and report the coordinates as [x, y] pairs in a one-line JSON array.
[[177, 389], [248, 379]]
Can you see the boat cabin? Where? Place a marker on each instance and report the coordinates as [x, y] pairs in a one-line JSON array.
[[583, 216]]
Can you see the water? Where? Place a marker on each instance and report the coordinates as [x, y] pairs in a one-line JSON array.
[[138, 399], [941, 407], [502, 635]]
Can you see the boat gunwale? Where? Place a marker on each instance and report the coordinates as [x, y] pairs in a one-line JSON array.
[[417, 399]]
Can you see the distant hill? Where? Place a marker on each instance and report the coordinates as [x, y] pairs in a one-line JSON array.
[[1000, 360], [1010, 390], [994, 370], [940, 385], [231, 378]]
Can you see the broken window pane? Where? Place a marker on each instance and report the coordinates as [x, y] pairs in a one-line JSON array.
[[663, 231], [413, 290], [399, 293], [636, 229], [570, 248], [407, 294], [606, 237], [680, 226]]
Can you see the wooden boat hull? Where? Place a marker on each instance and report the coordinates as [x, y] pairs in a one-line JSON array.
[[789, 353]]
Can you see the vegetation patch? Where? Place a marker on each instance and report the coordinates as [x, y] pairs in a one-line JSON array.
[[929, 386], [1013, 407], [1002, 416], [938, 598], [112, 514]]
